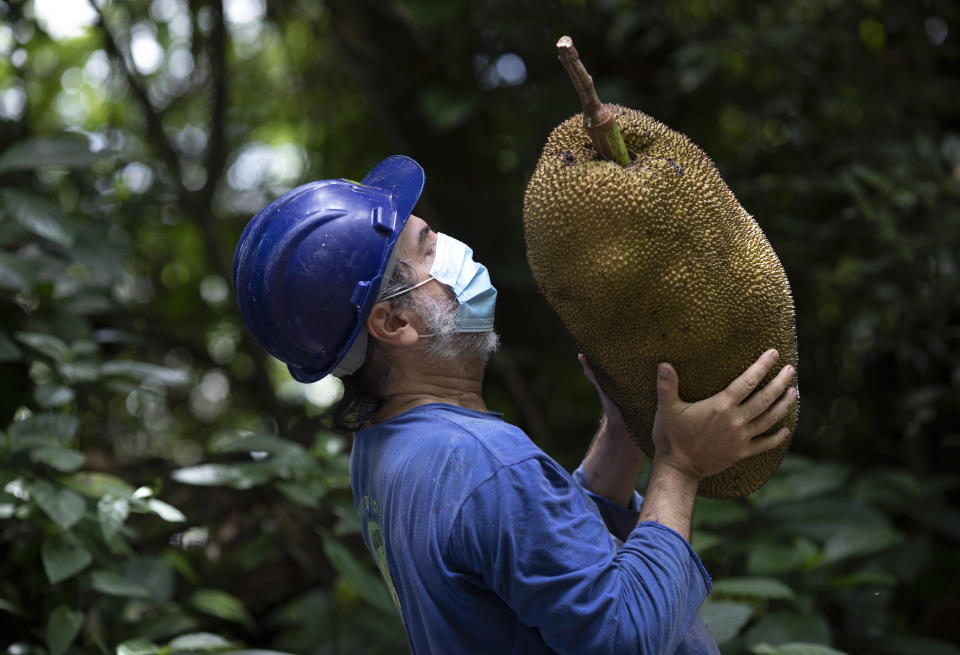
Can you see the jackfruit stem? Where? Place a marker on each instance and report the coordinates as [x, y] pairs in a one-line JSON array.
[[598, 121]]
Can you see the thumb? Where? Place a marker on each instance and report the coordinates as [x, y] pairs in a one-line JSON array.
[[667, 384]]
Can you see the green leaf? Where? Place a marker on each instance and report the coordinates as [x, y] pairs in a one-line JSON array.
[[822, 519], [202, 641], [238, 476], [865, 539], [15, 275], [65, 460], [800, 478], [767, 558], [725, 619], [795, 649], [165, 511], [785, 626], [221, 605], [97, 485], [7, 606], [260, 443], [8, 349], [53, 395], [39, 216], [156, 574], [68, 150], [138, 647], [112, 512], [307, 493], [116, 584], [368, 585], [705, 541], [63, 506], [142, 371], [62, 628], [718, 512], [44, 428], [753, 588], [63, 559]]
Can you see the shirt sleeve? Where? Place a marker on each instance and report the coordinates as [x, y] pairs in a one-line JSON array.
[[619, 520], [528, 533]]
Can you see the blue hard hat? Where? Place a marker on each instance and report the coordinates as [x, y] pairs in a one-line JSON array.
[[308, 267]]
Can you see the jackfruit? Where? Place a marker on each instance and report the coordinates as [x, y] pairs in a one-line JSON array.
[[654, 262]]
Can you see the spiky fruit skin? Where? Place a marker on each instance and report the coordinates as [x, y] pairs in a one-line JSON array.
[[658, 262]]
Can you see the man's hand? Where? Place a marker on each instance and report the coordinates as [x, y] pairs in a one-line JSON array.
[[703, 438], [696, 440]]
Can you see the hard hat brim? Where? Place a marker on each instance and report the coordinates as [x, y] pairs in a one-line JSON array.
[[403, 178]]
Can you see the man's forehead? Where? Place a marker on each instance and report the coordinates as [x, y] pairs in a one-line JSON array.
[[414, 233]]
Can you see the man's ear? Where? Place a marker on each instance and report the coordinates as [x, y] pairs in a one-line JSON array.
[[391, 327]]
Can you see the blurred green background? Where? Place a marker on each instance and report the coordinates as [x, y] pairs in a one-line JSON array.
[[165, 487]]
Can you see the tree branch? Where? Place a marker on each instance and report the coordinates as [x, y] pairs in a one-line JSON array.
[[152, 114], [217, 150]]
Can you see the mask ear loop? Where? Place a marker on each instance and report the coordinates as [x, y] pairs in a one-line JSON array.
[[407, 290]]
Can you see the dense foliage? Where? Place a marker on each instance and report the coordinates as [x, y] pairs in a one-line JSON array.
[[167, 488]]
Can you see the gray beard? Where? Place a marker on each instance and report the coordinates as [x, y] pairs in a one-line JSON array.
[[439, 317]]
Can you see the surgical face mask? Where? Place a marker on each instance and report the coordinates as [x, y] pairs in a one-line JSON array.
[[453, 265]]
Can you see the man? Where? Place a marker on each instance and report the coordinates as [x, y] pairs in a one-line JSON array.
[[486, 544]]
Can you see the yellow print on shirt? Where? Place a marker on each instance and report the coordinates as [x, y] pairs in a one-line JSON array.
[[379, 547]]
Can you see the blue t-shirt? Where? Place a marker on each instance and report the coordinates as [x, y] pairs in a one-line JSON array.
[[487, 545]]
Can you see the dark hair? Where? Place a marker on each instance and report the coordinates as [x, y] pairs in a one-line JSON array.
[[362, 390]]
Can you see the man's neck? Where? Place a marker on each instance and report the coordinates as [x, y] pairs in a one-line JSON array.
[[421, 382]]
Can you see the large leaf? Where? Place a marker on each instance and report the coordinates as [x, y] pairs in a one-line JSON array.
[[51, 395], [96, 485], [771, 558], [238, 476], [46, 344], [368, 585], [138, 647], [42, 429], [62, 628], [63, 506], [718, 512], [68, 150], [62, 558], [8, 349], [221, 605], [141, 371], [260, 443], [156, 574], [307, 493], [112, 512], [117, 584], [7, 606], [15, 274], [65, 460], [865, 539], [785, 626], [39, 216], [822, 519], [725, 619], [752, 588], [799, 478], [198, 641], [165, 511]]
